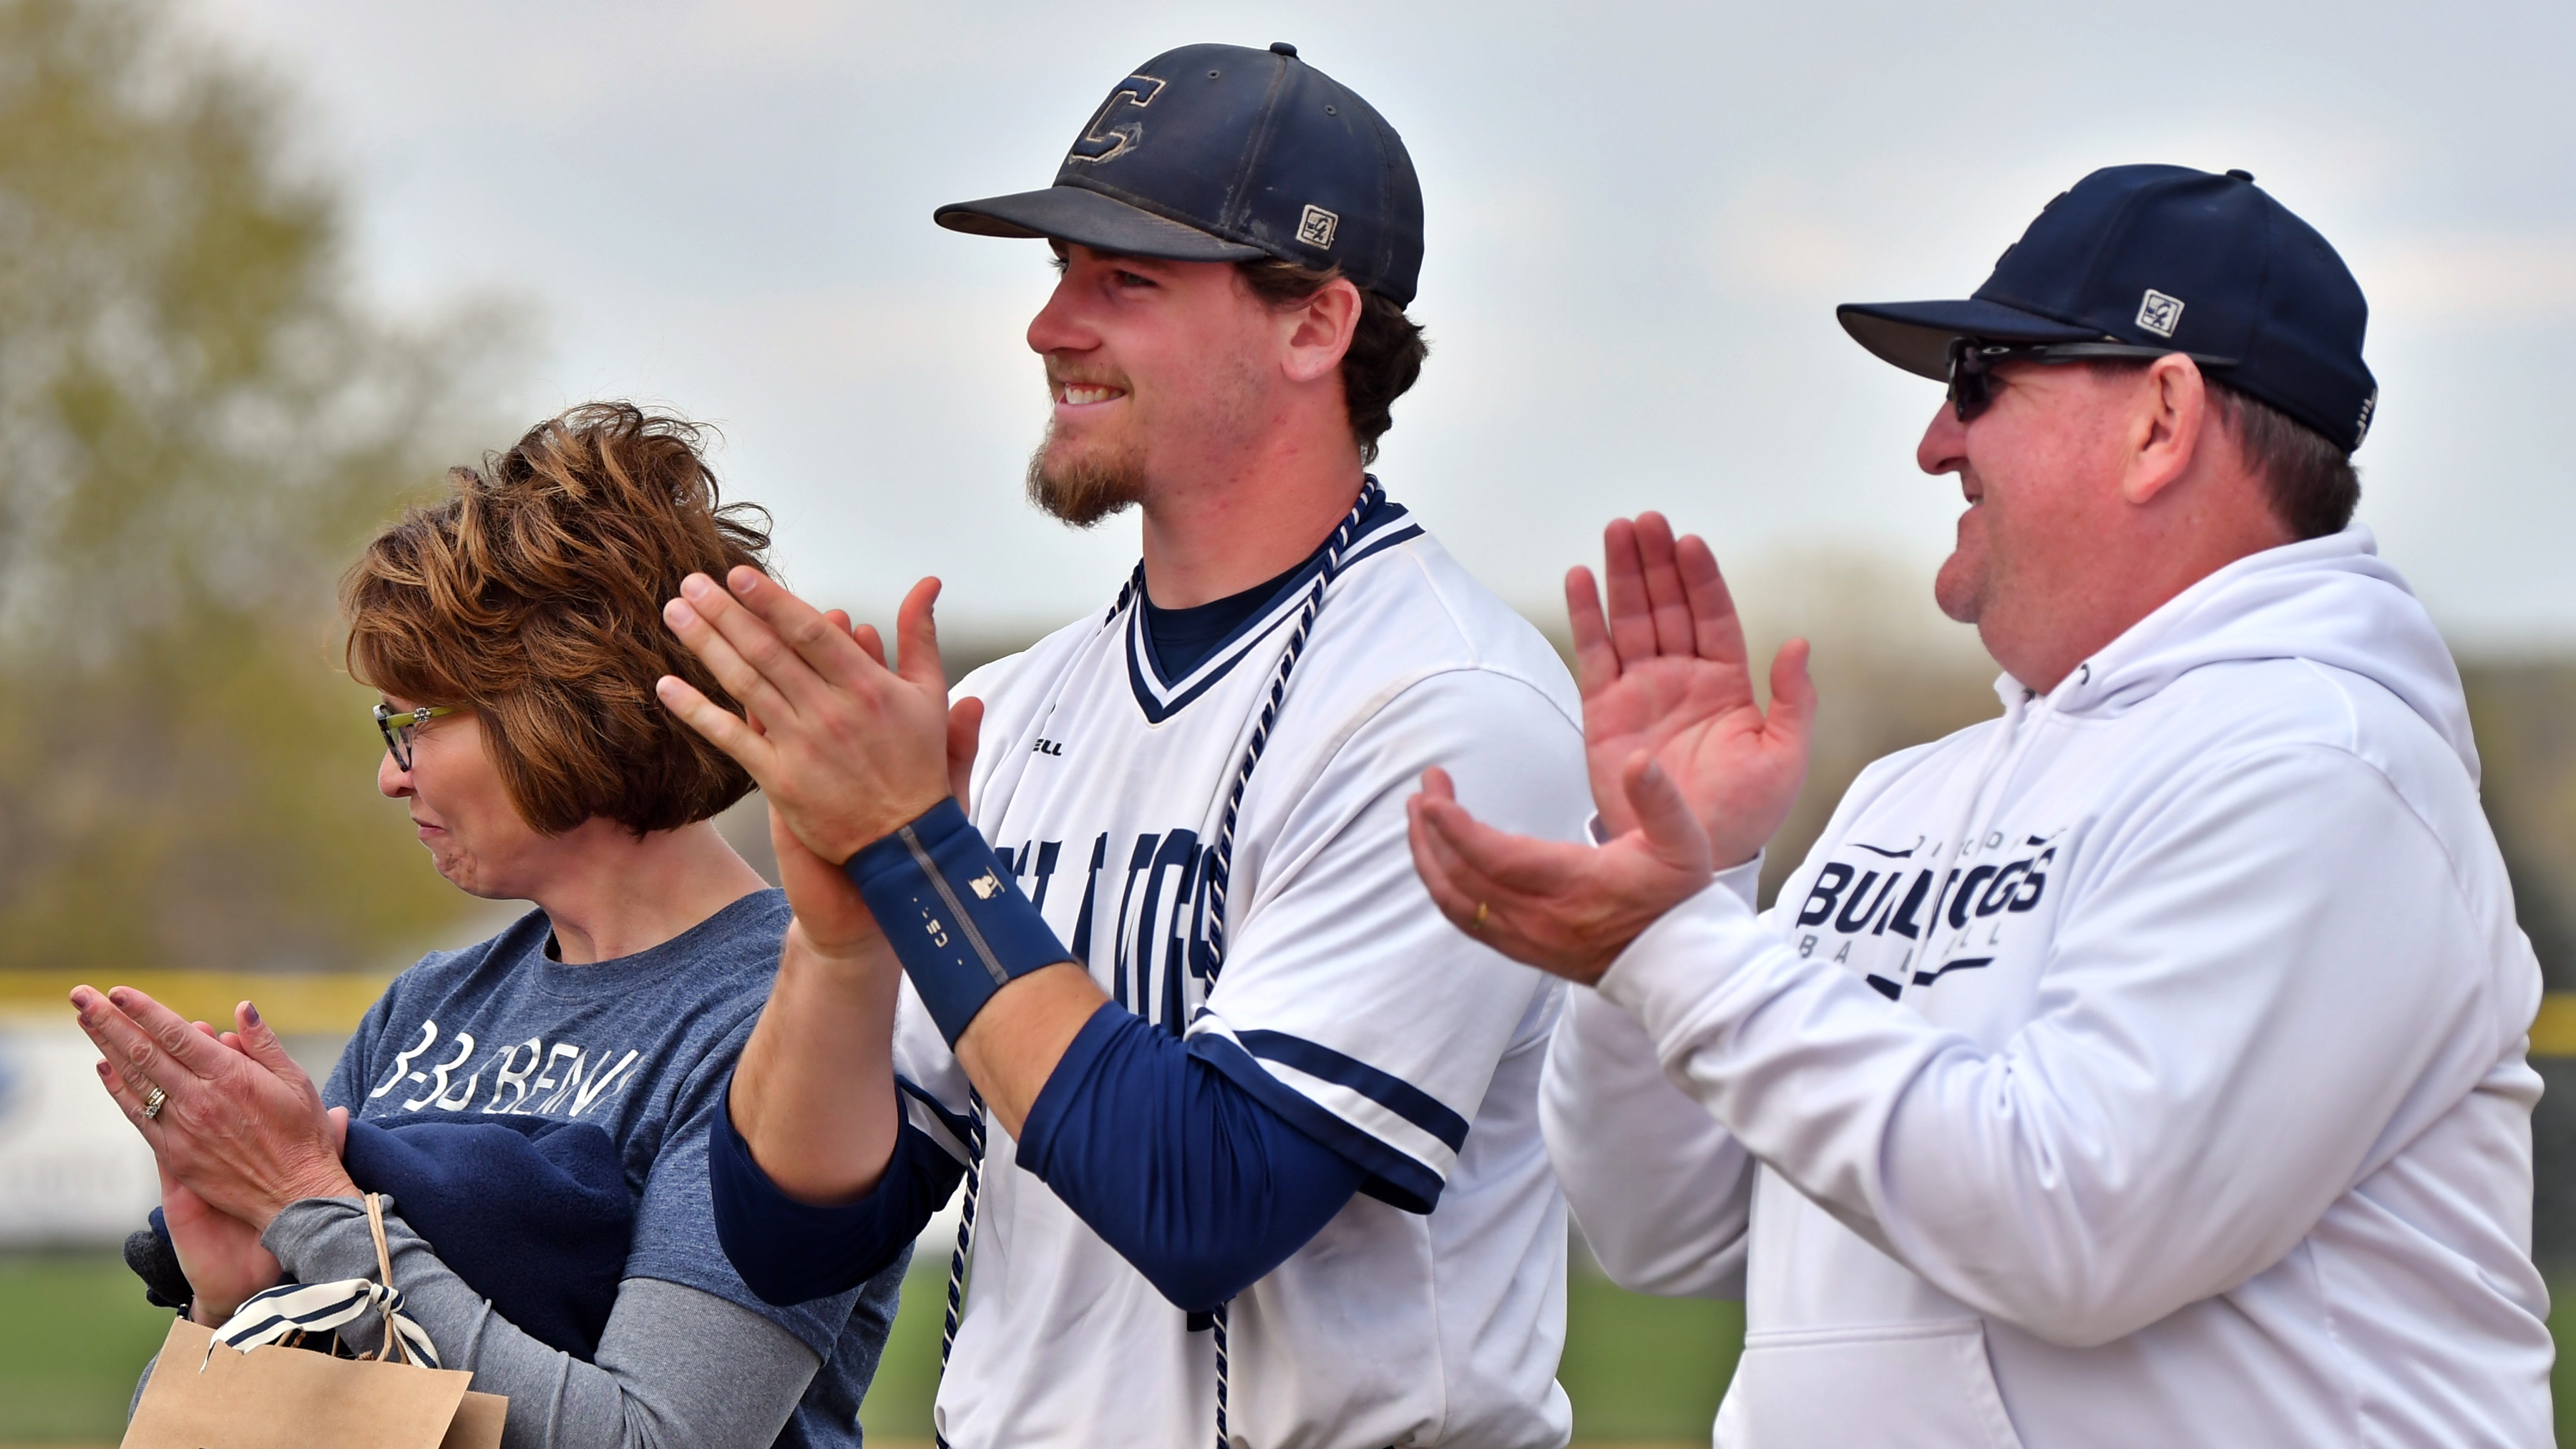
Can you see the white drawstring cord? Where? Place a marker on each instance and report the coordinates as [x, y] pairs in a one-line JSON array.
[[1219, 870]]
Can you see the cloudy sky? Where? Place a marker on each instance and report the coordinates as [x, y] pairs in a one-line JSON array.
[[1640, 217]]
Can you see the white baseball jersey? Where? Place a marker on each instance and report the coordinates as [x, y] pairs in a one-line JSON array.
[[1431, 1309]]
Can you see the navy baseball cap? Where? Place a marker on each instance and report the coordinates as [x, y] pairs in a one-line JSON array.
[[2164, 259], [1219, 153]]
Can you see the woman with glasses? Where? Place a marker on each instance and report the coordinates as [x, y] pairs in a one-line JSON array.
[[537, 1105]]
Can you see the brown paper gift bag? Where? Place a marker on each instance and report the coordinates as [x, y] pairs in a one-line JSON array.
[[207, 1393]]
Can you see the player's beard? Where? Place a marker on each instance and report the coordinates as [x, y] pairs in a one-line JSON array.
[[1088, 487]]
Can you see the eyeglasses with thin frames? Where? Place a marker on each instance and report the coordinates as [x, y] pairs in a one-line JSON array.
[[398, 726]]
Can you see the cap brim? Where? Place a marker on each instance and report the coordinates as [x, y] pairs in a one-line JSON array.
[[1089, 218], [1916, 336]]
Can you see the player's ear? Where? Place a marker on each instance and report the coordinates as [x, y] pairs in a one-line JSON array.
[[1320, 330]]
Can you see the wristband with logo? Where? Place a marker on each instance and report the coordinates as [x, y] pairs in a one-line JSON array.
[[955, 915]]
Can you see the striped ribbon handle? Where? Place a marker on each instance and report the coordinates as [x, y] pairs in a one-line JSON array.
[[294, 1308]]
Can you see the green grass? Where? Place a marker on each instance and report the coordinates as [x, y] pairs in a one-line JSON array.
[[74, 1330], [1645, 1368], [898, 1403], [74, 1334], [2562, 1374]]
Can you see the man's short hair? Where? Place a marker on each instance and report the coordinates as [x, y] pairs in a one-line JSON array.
[[1386, 353], [2311, 484], [532, 594]]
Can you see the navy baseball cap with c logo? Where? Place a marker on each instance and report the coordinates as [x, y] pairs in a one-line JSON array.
[[2159, 259], [1220, 153]]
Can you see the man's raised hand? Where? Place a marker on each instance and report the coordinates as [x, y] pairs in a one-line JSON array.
[[845, 748], [1665, 673], [1566, 909], [831, 917]]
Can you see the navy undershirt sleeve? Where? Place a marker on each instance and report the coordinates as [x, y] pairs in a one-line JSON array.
[[793, 1252], [1191, 1178]]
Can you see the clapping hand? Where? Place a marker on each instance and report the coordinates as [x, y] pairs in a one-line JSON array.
[[1666, 673], [237, 1131], [1567, 909], [845, 747], [221, 1255], [1689, 772]]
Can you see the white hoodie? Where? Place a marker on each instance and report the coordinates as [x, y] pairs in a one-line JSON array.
[[2200, 1112]]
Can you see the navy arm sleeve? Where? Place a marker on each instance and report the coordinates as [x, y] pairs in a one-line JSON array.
[[793, 1252], [1195, 1181]]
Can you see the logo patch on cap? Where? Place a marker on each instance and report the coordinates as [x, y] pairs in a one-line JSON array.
[[2159, 313], [2369, 405], [1106, 139], [1316, 227]]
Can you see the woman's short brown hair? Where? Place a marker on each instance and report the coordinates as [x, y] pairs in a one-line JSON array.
[[532, 594]]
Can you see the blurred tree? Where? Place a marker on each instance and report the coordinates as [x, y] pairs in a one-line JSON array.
[[197, 426], [2525, 714]]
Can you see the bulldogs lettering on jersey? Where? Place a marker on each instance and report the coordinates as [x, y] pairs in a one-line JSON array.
[[1154, 916]]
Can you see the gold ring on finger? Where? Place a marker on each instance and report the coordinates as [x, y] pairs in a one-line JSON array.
[[152, 1103], [1478, 924]]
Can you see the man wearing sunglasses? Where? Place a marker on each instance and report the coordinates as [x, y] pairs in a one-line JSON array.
[[2145, 1066]]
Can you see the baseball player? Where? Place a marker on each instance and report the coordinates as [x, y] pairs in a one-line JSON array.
[[2146, 1066], [1248, 1135]]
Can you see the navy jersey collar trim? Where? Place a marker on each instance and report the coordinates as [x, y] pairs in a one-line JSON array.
[[1382, 528]]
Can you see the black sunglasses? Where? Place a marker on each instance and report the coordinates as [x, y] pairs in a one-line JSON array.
[[1973, 363]]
